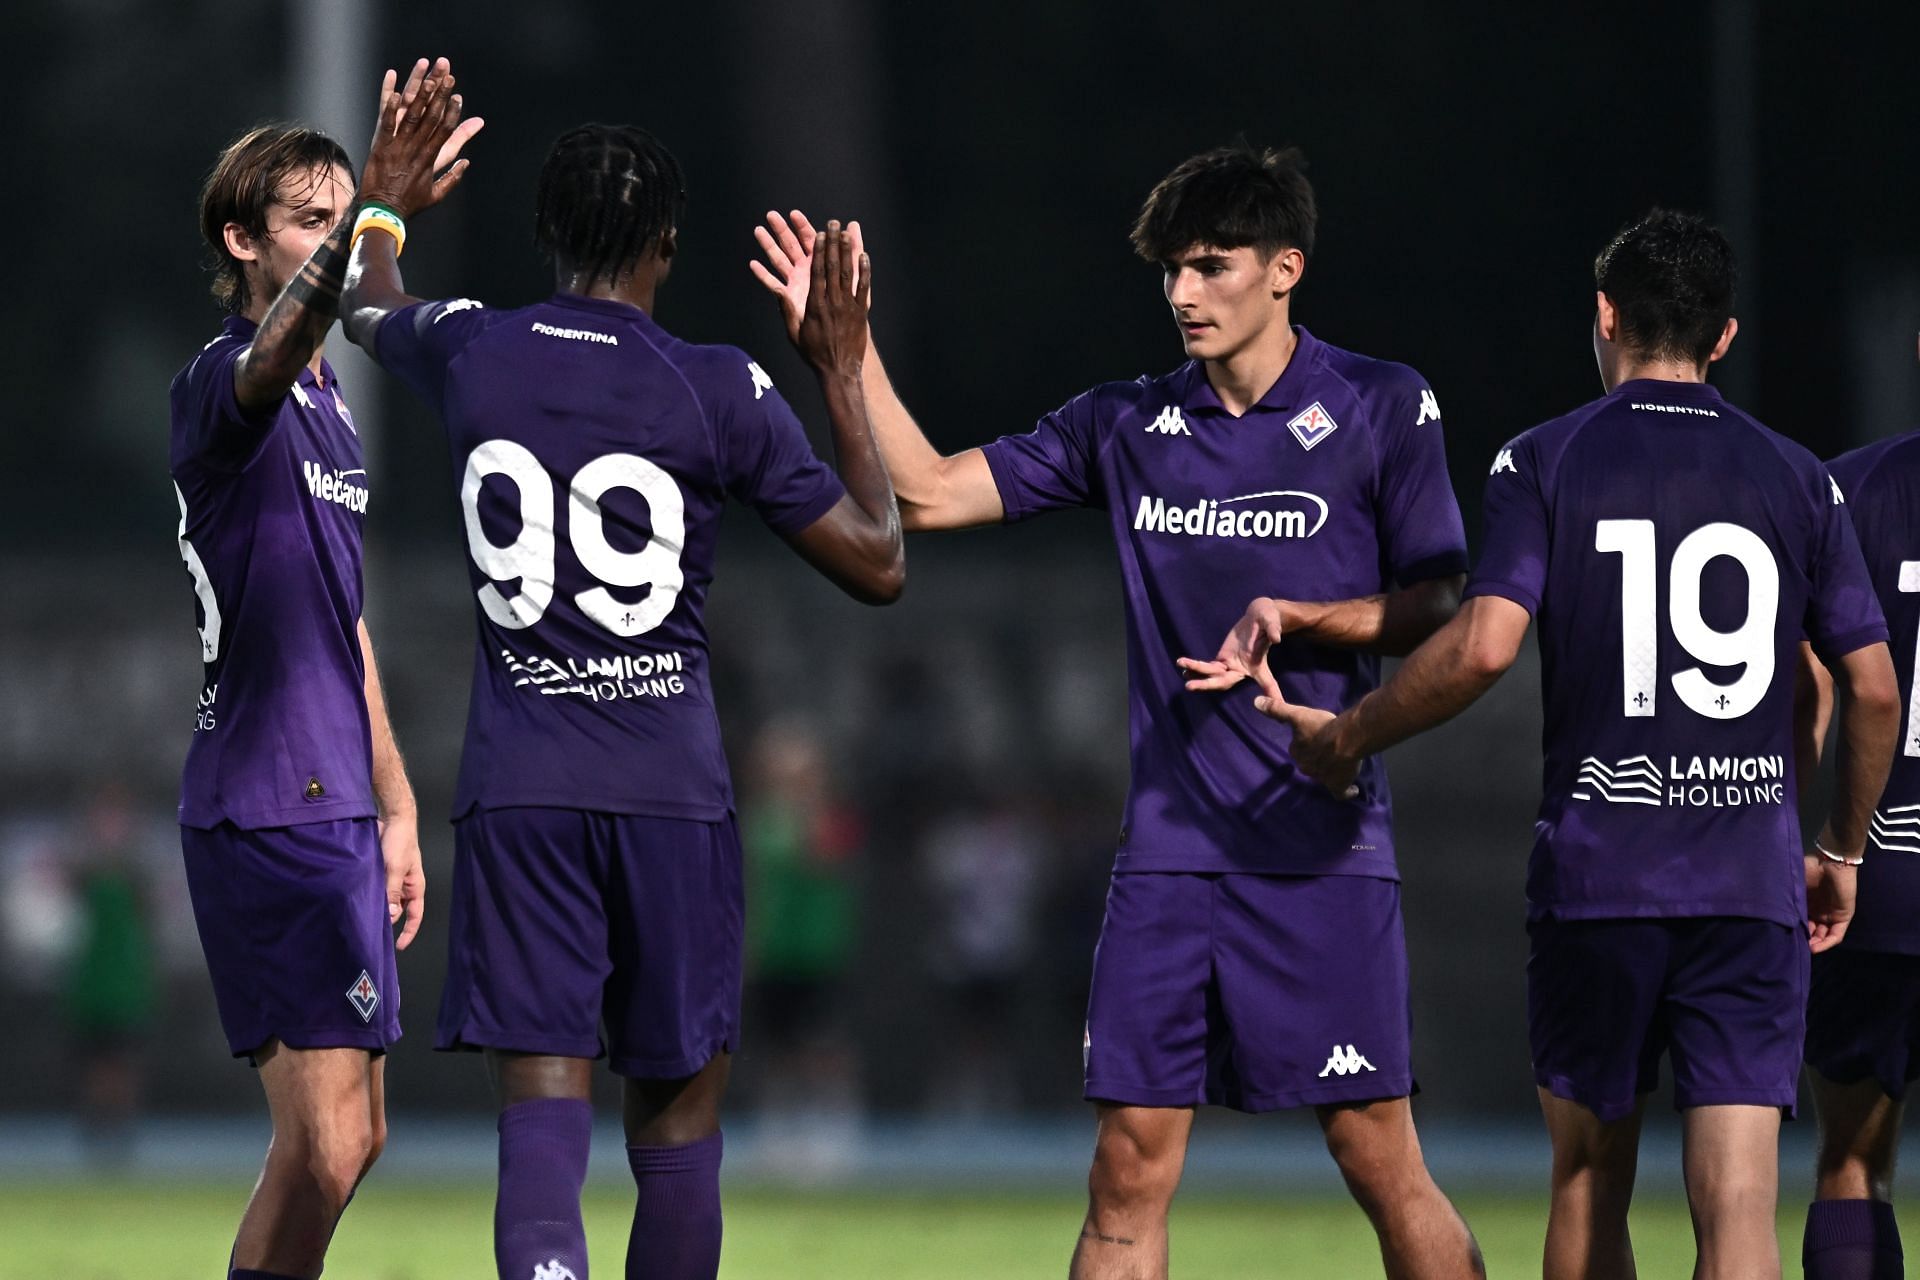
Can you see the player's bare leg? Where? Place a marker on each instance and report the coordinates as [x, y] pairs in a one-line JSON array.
[[674, 1148], [1422, 1236], [1594, 1164], [1733, 1184], [325, 1138], [1859, 1139], [1138, 1154], [546, 1124], [1851, 1231]]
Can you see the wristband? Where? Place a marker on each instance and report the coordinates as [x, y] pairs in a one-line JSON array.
[[1856, 860], [378, 217]]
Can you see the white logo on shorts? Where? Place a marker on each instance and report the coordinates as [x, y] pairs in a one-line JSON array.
[[552, 1269], [1345, 1062], [364, 996]]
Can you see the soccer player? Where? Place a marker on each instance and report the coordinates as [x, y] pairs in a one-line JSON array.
[[1252, 954], [297, 822], [1674, 552], [1863, 1016], [598, 870]]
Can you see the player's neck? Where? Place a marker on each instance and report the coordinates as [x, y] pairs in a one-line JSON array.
[[635, 288], [1242, 378], [1629, 369]]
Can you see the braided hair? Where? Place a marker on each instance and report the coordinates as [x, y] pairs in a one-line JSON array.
[[608, 193]]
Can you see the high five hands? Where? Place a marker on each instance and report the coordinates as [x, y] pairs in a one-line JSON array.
[[414, 160], [1243, 656], [788, 243]]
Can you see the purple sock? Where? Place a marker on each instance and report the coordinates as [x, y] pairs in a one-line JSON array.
[[676, 1218], [543, 1164], [1851, 1240]]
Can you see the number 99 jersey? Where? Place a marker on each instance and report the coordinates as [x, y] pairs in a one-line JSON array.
[[1673, 552], [592, 453]]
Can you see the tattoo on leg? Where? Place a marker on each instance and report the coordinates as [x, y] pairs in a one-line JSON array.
[[1088, 1233]]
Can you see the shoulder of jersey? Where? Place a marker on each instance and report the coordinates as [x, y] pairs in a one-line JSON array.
[[1899, 453], [717, 365]]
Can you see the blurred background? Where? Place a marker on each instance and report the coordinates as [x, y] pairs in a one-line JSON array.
[[929, 793]]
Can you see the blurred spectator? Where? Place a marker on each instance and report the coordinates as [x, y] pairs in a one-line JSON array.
[[984, 865], [110, 988], [801, 844]]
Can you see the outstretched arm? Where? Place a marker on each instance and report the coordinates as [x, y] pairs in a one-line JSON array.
[[1439, 680], [413, 162], [857, 543], [399, 818], [934, 490], [296, 324], [1391, 623]]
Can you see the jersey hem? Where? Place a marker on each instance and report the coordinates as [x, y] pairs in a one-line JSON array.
[[1371, 867], [826, 500], [625, 807], [1661, 911], [305, 815], [1848, 642], [1010, 513], [1526, 599]]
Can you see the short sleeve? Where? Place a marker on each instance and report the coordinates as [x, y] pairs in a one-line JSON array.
[[1513, 559], [1051, 466], [210, 426], [1420, 531], [765, 459], [417, 343], [1843, 613]]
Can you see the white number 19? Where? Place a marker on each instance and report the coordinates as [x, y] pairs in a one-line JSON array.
[[1749, 646]]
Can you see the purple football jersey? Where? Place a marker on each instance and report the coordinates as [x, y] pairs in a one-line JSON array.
[[1882, 486], [593, 453], [1673, 552], [271, 508], [1333, 486]]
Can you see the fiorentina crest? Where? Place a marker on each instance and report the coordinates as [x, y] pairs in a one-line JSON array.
[[1313, 425], [364, 996]]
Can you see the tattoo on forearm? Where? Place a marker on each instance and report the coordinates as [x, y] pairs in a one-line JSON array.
[[1088, 1233], [299, 318]]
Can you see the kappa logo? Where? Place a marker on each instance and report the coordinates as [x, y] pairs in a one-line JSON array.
[[1503, 461], [1170, 422], [552, 1269], [1312, 425], [458, 304], [364, 996], [1086, 1046], [1839, 498], [1429, 408], [761, 382], [1345, 1062]]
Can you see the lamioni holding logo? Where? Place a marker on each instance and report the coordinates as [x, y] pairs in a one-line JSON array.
[[1220, 518]]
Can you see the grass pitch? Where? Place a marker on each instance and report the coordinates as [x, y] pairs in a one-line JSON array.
[[108, 1230]]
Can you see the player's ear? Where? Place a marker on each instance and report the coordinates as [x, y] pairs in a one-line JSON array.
[[1726, 339], [1285, 270], [239, 244], [1606, 321]]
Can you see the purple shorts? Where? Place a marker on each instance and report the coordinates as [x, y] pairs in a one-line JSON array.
[[293, 921], [1725, 996], [1863, 1018], [563, 919], [1253, 992]]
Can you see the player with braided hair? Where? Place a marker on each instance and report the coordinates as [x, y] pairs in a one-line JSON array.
[[597, 878]]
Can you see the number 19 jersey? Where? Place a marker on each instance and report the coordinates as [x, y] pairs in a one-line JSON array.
[[593, 453], [1674, 552]]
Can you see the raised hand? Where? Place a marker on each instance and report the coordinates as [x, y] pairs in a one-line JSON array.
[[1243, 654], [787, 273], [414, 159], [832, 333]]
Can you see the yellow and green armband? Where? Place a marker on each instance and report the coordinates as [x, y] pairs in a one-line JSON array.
[[379, 217]]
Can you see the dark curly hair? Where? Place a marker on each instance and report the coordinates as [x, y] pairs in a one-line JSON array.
[[1670, 277], [608, 193]]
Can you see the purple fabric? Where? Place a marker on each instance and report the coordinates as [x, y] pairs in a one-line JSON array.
[[1882, 485], [593, 454], [1642, 530], [1852, 1240], [1726, 997], [271, 511], [1863, 1018], [1246, 991], [676, 1213], [560, 920], [290, 920], [537, 1231], [1334, 485]]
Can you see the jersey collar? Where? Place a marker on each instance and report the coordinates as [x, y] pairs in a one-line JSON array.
[[1284, 395], [1661, 389]]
